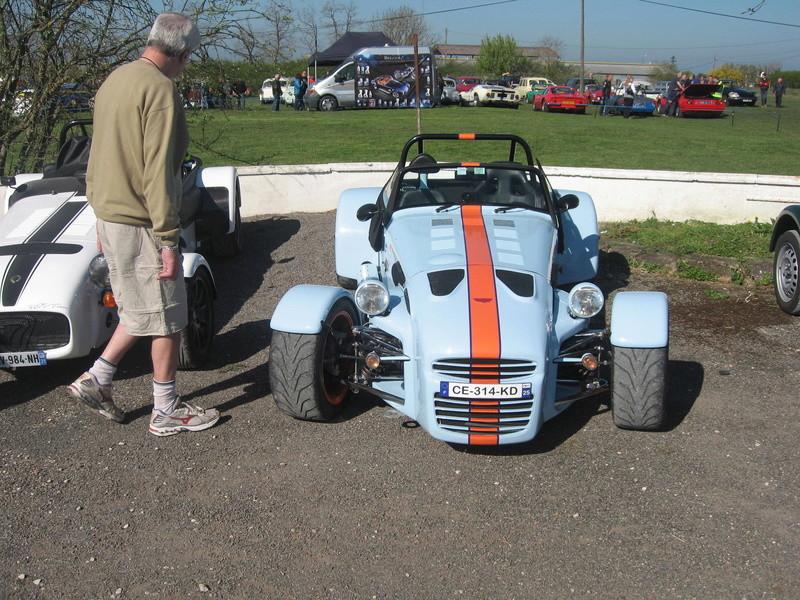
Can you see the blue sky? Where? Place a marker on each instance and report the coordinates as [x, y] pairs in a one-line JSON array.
[[624, 30]]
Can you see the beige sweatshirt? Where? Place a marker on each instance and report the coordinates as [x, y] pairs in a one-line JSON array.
[[139, 141]]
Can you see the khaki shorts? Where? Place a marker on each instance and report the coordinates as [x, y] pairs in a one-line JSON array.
[[146, 305]]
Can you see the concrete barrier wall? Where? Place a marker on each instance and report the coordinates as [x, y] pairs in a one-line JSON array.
[[619, 194]]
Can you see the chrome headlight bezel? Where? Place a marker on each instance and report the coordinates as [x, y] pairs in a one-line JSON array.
[[372, 297], [585, 301], [98, 271]]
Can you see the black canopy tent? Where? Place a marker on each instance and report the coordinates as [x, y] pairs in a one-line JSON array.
[[345, 46]]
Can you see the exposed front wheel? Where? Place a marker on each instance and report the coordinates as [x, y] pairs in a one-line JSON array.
[[639, 378], [787, 271], [545, 108], [197, 339], [306, 371]]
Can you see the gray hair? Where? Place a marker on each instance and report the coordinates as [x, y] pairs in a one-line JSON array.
[[173, 34]]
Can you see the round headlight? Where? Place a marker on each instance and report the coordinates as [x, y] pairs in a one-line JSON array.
[[98, 271], [372, 297], [585, 301]]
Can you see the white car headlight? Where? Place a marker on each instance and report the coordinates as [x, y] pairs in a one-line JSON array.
[[372, 295], [98, 271], [733, 95], [585, 301]]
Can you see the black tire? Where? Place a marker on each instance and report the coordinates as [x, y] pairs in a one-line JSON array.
[[305, 370], [328, 103], [230, 244], [197, 340], [638, 393], [678, 112], [545, 108], [786, 269]]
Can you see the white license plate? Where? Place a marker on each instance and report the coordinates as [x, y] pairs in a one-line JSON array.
[[486, 391], [22, 359]]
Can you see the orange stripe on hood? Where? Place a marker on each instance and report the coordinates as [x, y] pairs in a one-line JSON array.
[[484, 322]]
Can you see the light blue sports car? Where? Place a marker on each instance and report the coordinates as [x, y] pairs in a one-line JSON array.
[[466, 304]]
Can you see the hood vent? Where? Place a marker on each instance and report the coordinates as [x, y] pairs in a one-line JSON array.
[[504, 223], [444, 282], [519, 283], [441, 222]]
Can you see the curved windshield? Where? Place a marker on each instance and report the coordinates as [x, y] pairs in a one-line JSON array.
[[510, 187]]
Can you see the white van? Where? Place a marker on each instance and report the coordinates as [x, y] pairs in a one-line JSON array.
[[379, 77]]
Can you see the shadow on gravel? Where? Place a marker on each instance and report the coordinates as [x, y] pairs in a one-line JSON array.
[[684, 384], [31, 382], [239, 278], [614, 272]]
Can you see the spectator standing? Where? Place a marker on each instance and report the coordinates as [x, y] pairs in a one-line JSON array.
[[628, 95], [780, 90], [673, 89], [239, 91], [607, 89], [277, 92], [300, 87], [763, 87], [134, 187]]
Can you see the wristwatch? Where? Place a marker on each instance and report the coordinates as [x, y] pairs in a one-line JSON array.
[[174, 247]]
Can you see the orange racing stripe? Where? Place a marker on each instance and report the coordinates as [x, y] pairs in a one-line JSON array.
[[484, 322]]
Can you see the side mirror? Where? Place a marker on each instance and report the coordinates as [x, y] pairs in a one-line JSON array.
[[8, 181], [567, 202], [366, 212]]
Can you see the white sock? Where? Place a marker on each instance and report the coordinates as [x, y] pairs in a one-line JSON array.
[[165, 396], [103, 371]]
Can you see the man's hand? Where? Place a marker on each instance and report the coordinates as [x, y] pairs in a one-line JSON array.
[[170, 264]]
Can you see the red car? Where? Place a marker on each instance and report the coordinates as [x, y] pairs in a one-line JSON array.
[[560, 97], [697, 100], [465, 84]]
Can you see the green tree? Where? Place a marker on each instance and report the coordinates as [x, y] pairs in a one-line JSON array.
[[46, 43], [500, 54]]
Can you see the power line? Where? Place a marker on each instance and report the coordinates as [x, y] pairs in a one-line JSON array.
[[708, 12]]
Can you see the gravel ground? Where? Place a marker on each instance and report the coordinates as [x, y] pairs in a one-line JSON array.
[[263, 506]]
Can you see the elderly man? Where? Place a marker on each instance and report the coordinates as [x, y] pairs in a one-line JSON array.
[[134, 186]]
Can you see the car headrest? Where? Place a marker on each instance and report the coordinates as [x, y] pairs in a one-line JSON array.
[[421, 163]]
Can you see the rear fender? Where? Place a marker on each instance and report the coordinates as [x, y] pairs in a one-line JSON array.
[[788, 219], [640, 320], [578, 261], [192, 262], [303, 308], [352, 236]]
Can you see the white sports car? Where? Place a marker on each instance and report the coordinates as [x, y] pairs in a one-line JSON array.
[[485, 94], [55, 298]]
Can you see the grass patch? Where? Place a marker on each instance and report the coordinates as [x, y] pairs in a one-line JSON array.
[[717, 295], [743, 240], [687, 271], [742, 142]]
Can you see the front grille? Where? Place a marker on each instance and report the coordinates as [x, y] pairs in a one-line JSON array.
[[482, 416], [480, 370], [20, 332]]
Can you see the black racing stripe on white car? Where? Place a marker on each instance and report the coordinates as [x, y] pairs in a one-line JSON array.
[[22, 266]]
